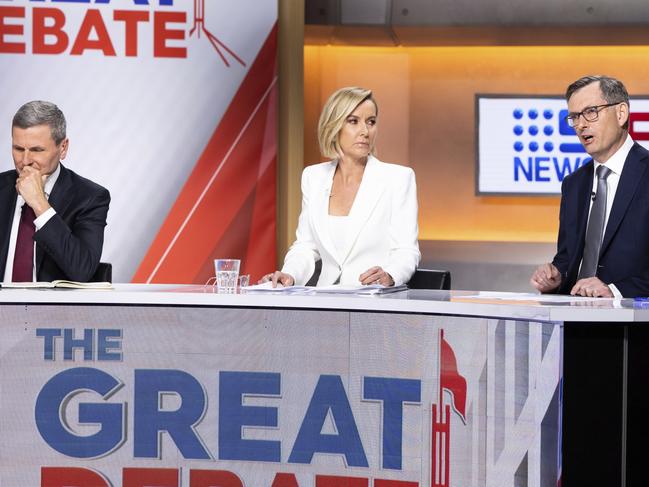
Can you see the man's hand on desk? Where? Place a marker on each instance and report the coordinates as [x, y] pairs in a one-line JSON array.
[[591, 287], [546, 278]]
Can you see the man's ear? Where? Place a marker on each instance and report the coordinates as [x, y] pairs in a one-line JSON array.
[[622, 114], [64, 147]]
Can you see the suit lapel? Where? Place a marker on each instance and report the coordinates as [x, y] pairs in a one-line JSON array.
[[60, 199], [8, 197], [320, 209], [369, 193], [634, 169]]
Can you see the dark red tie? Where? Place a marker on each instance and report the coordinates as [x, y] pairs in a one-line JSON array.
[[24, 256]]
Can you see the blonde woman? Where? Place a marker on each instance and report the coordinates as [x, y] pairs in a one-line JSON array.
[[359, 215]]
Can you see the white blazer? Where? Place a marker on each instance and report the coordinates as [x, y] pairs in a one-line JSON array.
[[382, 225]]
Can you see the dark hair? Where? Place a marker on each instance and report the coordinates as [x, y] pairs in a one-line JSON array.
[[39, 112], [613, 90]]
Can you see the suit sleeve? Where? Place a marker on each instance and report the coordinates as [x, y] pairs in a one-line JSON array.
[[301, 257], [76, 246], [562, 258], [403, 230], [633, 286]]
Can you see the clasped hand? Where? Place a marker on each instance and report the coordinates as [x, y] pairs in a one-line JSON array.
[[30, 184]]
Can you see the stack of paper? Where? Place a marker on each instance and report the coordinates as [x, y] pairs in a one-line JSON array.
[[371, 289]]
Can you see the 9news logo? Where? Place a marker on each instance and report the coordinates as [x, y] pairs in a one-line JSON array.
[[525, 145]]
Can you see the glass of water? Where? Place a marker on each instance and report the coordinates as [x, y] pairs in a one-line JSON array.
[[227, 275]]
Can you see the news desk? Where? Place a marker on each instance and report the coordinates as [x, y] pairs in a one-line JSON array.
[[165, 385]]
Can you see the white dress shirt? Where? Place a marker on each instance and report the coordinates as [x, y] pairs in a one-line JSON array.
[[615, 164], [38, 223]]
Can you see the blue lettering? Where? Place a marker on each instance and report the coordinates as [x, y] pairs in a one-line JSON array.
[[49, 335], [150, 386], [329, 395], [50, 417], [393, 393], [70, 343], [565, 168], [520, 165], [108, 345], [539, 167], [234, 416]]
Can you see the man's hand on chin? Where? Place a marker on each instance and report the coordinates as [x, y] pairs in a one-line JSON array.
[[30, 185], [591, 287]]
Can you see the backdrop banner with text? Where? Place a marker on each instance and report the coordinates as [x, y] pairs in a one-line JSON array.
[[172, 106]]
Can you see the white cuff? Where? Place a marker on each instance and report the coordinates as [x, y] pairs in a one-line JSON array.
[[616, 292], [44, 218]]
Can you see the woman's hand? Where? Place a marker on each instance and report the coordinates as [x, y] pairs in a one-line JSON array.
[[376, 275], [278, 277]]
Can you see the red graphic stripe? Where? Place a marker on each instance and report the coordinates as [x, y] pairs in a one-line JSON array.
[[237, 159]]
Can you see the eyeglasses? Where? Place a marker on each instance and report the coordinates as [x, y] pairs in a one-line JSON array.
[[590, 114]]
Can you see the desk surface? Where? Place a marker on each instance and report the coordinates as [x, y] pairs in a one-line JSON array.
[[460, 303]]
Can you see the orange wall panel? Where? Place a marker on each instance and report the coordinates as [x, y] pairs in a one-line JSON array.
[[426, 99]]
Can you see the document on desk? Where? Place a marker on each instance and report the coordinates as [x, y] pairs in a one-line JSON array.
[[61, 283], [372, 289], [546, 298]]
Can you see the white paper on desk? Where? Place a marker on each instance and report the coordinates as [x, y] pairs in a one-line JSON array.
[[267, 287], [546, 298], [358, 289]]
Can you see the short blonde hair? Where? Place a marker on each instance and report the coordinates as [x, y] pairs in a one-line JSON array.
[[334, 113]]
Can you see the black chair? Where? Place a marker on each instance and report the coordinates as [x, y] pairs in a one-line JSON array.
[[104, 273], [313, 280], [430, 279]]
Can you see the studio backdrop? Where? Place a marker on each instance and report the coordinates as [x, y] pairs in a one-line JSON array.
[[172, 106]]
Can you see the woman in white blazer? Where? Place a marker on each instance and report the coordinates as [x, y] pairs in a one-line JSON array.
[[359, 215]]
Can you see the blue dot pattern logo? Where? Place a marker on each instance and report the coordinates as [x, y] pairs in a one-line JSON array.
[[555, 120]]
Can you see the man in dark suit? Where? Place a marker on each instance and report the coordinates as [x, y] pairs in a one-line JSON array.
[[51, 219], [603, 242]]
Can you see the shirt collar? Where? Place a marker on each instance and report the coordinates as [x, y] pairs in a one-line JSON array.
[[616, 162]]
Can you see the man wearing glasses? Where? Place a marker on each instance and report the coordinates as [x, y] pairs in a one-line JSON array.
[[603, 242]]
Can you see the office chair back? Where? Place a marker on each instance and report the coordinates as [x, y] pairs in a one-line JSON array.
[[104, 273], [430, 279]]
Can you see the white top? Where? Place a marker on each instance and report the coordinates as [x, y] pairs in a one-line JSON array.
[[38, 223], [339, 231]]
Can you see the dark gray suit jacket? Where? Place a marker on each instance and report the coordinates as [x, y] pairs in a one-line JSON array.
[[69, 245]]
